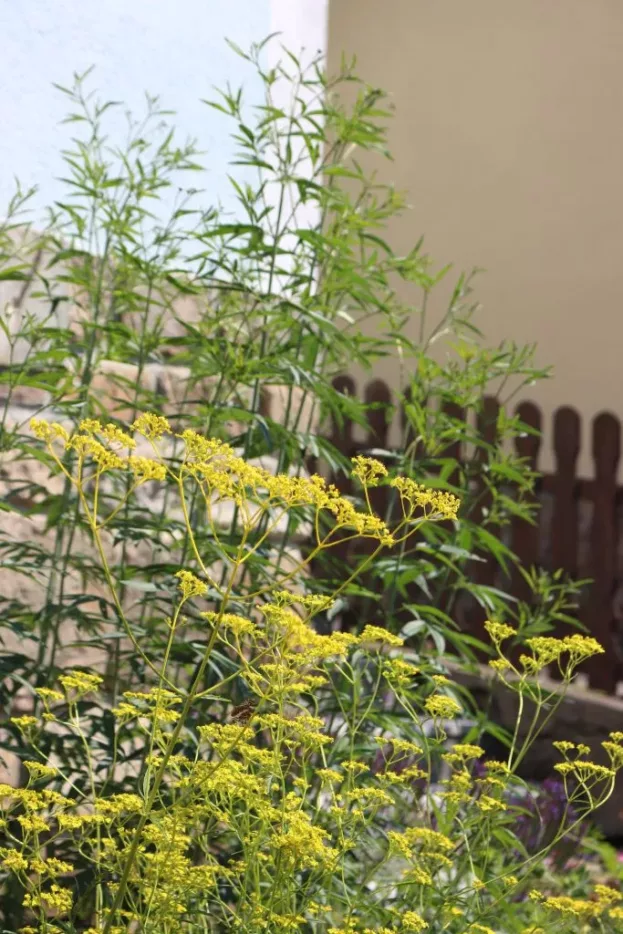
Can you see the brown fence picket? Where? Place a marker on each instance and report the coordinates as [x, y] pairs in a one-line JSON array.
[[341, 435], [564, 488], [407, 433], [483, 572], [454, 449], [378, 399], [526, 536], [606, 453]]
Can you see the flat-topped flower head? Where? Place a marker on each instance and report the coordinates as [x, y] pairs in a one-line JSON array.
[[442, 707], [90, 426], [26, 723], [576, 907], [607, 895], [313, 603], [231, 622], [615, 752], [399, 673], [498, 632], [49, 694], [56, 899], [412, 921], [467, 751], [110, 432], [39, 770], [145, 469], [190, 585], [87, 446], [48, 431], [545, 650], [435, 504], [368, 470], [581, 647], [80, 682], [151, 426], [377, 635]]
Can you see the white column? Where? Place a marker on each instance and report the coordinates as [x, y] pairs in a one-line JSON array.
[[302, 27], [302, 23]]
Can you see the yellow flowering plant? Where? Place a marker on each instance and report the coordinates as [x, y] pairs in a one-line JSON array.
[[305, 808]]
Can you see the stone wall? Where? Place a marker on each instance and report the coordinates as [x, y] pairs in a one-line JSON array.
[[113, 386]]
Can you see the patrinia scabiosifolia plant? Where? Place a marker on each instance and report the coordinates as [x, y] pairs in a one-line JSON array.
[[294, 285], [305, 809]]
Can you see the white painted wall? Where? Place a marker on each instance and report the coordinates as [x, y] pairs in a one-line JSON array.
[[302, 23], [174, 50], [177, 51]]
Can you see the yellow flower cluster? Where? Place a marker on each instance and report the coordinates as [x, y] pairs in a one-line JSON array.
[[48, 431], [146, 469], [151, 426], [110, 432], [155, 705], [232, 622], [25, 723], [87, 444], [80, 683], [302, 730], [119, 804], [55, 899], [222, 474], [546, 649], [583, 908], [584, 771], [606, 895], [433, 503], [301, 639], [499, 631], [418, 876], [190, 585], [368, 470], [399, 746], [419, 840], [303, 844], [442, 707], [313, 603], [380, 636], [226, 475], [38, 770], [284, 785], [49, 694], [463, 752], [399, 673], [412, 921]]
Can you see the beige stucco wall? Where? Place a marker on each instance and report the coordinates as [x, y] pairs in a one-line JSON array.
[[509, 136]]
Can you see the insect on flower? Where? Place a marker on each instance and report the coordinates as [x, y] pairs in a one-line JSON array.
[[242, 713]]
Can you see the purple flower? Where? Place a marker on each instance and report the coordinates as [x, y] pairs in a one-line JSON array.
[[541, 811]]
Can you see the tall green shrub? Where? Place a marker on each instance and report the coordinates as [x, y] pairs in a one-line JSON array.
[[279, 303], [278, 300]]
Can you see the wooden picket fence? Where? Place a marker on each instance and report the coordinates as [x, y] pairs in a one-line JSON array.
[[578, 520]]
